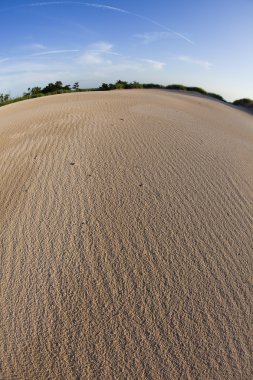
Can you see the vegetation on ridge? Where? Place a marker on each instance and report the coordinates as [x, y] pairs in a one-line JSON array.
[[59, 88], [125, 85], [245, 102]]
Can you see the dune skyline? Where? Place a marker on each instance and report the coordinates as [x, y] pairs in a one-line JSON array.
[[199, 44]]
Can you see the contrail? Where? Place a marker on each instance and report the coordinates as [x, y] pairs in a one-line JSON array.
[[101, 6], [55, 52]]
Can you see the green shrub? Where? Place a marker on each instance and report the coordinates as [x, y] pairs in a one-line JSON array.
[[58, 88], [216, 96], [135, 85], [152, 85], [197, 89], [176, 87], [245, 102]]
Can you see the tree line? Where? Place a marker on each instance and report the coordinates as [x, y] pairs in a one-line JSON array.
[[35, 92], [59, 88], [125, 85], [51, 88]]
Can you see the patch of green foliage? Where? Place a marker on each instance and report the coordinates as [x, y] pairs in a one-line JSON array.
[[120, 85], [36, 92], [194, 89], [197, 89], [59, 88], [216, 96], [153, 85], [245, 102], [176, 87]]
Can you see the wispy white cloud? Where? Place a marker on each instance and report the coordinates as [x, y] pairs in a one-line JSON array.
[[96, 53], [109, 7], [35, 46], [102, 6], [180, 35], [157, 65], [29, 48], [2, 60], [55, 52], [16, 76], [92, 58], [148, 38], [22, 67], [115, 70], [200, 62], [47, 3], [20, 73], [103, 47]]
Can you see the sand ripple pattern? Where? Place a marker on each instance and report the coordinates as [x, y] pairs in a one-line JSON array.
[[126, 238]]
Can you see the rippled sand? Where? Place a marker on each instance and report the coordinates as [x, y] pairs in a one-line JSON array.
[[126, 237]]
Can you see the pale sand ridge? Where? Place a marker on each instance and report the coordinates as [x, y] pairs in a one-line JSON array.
[[126, 237]]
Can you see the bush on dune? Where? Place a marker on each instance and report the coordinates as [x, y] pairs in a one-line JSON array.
[[53, 87], [4, 98], [59, 88], [152, 85], [216, 96], [245, 102], [135, 85], [120, 85], [176, 87], [197, 89]]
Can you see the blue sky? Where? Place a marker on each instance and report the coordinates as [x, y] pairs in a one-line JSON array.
[[199, 42]]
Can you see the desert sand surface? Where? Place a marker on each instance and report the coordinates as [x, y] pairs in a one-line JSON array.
[[126, 237]]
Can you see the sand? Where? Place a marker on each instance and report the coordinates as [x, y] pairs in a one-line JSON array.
[[126, 237]]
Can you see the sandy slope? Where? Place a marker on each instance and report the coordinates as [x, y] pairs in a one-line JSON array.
[[126, 237]]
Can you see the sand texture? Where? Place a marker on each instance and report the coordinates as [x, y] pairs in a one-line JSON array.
[[126, 238]]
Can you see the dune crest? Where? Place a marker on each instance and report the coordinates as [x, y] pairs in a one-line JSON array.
[[126, 237]]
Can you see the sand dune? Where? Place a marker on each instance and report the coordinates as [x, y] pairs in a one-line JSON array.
[[126, 237]]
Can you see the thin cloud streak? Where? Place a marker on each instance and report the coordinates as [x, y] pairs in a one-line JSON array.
[[96, 52], [55, 52], [200, 62], [102, 6], [36, 46], [103, 47], [22, 67], [157, 65], [150, 37]]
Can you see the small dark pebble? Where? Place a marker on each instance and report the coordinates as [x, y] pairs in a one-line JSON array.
[[72, 163], [140, 184]]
